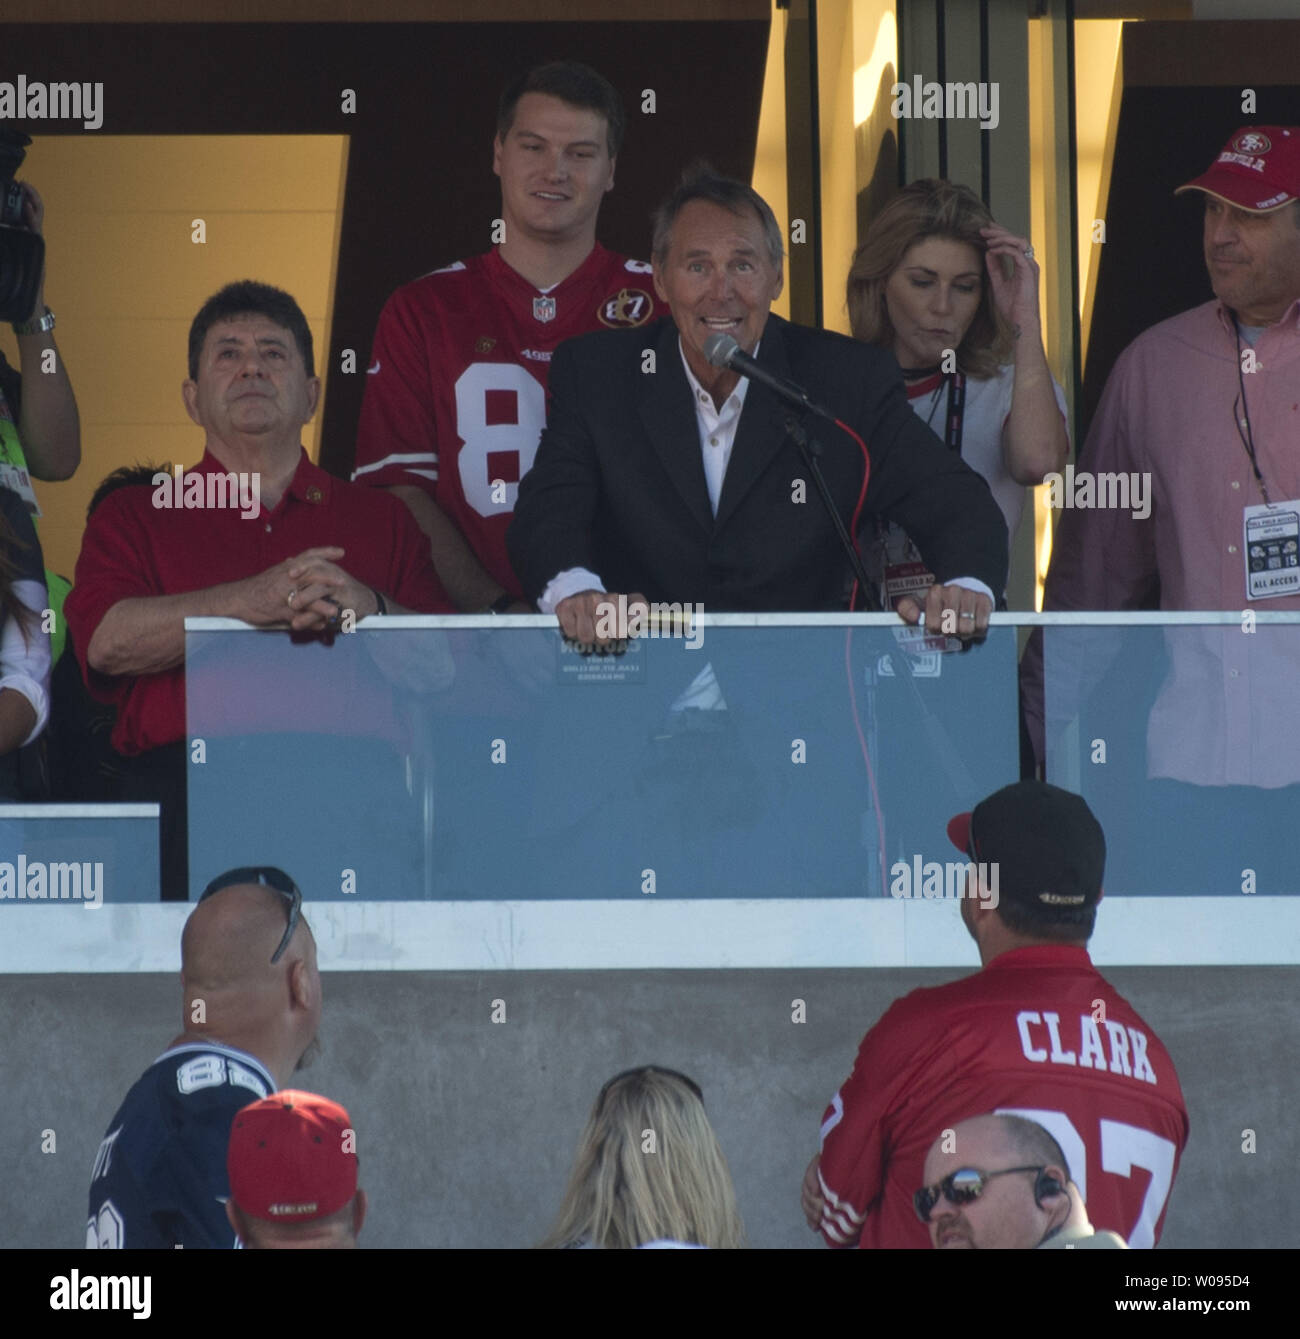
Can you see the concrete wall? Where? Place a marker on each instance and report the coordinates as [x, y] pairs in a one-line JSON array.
[[466, 1129]]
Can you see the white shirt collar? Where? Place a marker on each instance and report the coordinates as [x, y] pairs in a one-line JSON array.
[[701, 396]]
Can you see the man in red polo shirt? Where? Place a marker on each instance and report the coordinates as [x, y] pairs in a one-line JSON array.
[[1039, 1033], [255, 531]]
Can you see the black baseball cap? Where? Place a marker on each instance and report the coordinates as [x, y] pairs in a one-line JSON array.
[[1047, 844]]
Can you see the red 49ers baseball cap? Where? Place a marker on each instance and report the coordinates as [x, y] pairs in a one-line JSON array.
[[1258, 170], [292, 1158]]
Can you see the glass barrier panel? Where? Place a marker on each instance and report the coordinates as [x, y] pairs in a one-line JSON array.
[[1185, 740], [773, 760], [88, 853]]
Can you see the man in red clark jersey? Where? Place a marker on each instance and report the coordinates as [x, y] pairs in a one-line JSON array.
[[1038, 1033]]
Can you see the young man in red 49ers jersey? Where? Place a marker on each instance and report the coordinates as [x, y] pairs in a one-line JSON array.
[[1039, 1033], [456, 397]]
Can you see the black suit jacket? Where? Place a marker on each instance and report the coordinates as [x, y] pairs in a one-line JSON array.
[[618, 484]]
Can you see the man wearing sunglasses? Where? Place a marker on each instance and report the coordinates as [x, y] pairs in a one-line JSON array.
[[1002, 1183], [251, 1007], [1039, 1033]]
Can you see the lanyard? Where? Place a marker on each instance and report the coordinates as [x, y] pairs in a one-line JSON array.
[[1248, 436], [956, 410]]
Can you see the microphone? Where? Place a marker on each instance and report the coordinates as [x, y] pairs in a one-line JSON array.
[[722, 351]]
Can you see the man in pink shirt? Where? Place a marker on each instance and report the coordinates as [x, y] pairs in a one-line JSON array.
[[1202, 414]]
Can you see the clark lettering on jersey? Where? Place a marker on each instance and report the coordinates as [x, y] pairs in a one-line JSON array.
[[1040, 1041]]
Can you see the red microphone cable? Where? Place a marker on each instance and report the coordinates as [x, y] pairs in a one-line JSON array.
[[848, 656]]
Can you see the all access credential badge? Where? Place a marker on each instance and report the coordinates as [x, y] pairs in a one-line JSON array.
[[1272, 550], [544, 309]]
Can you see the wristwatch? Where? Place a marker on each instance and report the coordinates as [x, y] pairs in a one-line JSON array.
[[38, 325], [501, 603]]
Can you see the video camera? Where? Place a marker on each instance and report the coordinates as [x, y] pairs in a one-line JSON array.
[[22, 252]]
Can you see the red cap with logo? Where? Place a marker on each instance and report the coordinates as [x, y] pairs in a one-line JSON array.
[[1258, 170], [292, 1158]]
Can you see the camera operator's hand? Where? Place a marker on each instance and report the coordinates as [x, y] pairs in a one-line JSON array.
[[34, 220], [49, 426], [33, 206]]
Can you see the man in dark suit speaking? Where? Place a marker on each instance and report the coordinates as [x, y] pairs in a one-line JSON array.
[[665, 477]]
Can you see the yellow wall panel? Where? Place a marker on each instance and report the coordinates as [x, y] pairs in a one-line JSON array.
[[113, 174], [770, 149], [857, 47], [126, 373], [839, 180], [1098, 85], [147, 266]]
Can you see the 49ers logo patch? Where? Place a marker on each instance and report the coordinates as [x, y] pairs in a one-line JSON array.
[[1252, 141], [629, 307]]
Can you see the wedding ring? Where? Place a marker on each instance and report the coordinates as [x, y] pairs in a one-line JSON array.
[[292, 593], [1029, 253]]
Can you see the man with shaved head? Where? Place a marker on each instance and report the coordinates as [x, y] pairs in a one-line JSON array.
[[251, 1006], [1001, 1182]]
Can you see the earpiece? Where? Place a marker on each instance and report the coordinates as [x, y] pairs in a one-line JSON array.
[[1046, 1186]]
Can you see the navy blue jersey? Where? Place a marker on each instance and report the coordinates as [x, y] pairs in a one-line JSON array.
[[159, 1178]]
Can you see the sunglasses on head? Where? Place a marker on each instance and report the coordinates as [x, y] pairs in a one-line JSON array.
[[963, 1186], [644, 1069], [269, 877]]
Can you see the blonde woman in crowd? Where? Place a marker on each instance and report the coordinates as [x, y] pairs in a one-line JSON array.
[[955, 297], [649, 1170]]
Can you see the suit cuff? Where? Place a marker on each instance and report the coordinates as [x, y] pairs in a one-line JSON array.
[[569, 582], [36, 695], [972, 583]]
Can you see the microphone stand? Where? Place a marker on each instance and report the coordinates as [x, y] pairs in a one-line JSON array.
[[811, 450]]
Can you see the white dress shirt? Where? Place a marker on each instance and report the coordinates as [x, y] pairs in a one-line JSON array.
[[717, 428]]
